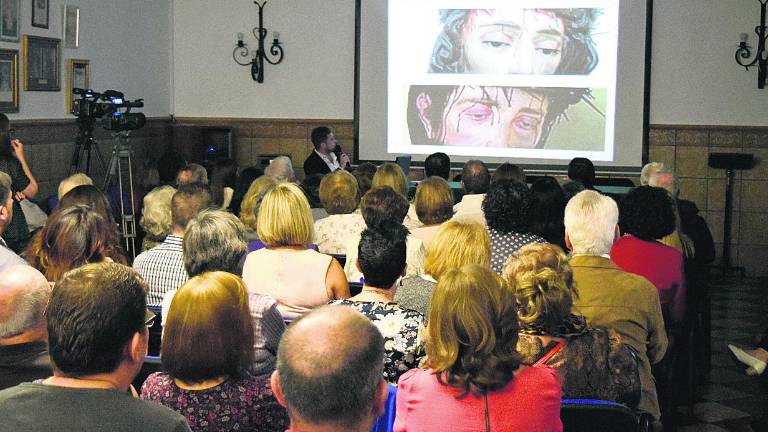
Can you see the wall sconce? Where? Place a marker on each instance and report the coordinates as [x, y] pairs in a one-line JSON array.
[[744, 53], [255, 59]]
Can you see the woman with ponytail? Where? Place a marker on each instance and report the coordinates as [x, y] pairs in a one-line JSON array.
[[591, 363]]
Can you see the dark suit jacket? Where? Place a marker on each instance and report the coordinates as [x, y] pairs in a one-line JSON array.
[[314, 164]]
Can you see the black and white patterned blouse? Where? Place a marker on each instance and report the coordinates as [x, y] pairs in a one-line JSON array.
[[503, 245]]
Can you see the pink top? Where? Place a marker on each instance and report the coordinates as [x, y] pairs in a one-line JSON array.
[[662, 265], [530, 402], [295, 278]]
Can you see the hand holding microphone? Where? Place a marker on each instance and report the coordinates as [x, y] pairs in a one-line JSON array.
[[341, 157]]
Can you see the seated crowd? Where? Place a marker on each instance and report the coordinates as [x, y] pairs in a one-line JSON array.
[[275, 316]]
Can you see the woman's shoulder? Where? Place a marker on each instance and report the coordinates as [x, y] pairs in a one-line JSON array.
[[538, 377], [156, 383], [417, 379]]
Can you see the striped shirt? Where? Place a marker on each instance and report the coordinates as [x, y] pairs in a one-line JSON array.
[[162, 267]]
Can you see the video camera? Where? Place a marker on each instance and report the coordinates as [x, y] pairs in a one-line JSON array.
[[110, 107]]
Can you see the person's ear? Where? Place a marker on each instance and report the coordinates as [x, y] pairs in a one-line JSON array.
[[138, 347], [568, 241], [424, 105], [274, 381], [382, 394]]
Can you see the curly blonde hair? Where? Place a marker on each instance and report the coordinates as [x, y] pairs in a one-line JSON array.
[[542, 281], [249, 208], [156, 214]]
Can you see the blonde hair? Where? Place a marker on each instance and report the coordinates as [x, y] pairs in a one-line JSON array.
[[156, 214], [433, 201], [249, 208], [590, 223], [649, 170], [390, 174], [455, 244], [472, 331], [338, 192], [284, 217], [72, 182], [542, 281]]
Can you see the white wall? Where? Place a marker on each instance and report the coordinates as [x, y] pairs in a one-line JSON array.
[[127, 42], [695, 77], [315, 79]]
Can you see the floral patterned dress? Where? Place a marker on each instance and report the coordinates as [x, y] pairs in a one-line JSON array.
[[402, 330], [243, 404]]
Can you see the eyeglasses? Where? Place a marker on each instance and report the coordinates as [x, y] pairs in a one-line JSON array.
[[149, 318]]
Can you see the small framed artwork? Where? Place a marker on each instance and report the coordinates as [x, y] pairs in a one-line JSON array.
[[78, 76], [10, 25], [40, 13], [9, 81], [42, 60], [71, 26]]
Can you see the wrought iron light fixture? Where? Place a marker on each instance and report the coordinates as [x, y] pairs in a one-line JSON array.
[[744, 53], [255, 58]]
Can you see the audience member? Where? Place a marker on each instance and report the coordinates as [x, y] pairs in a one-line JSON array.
[[207, 360], [547, 210], [678, 238], [297, 277], [390, 174], [475, 180], [247, 176], [249, 210], [364, 174], [755, 359], [223, 182], [340, 198], [582, 170], [473, 376], [72, 182], [507, 208], [439, 165], [311, 187], [571, 188], [98, 337], [649, 170], [192, 173], [162, 267], [381, 259], [591, 227], [24, 294], [591, 363], [384, 205], [92, 197], [457, 243], [329, 372], [508, 171], [73, 237], [168, 167], [324, 158], [434, 205], [7, 256], [156, 219], [647, 214], [23, 185], [280, 169]]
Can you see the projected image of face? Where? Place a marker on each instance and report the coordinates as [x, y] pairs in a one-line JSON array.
[[476, 116], [512, 41], [516, 41]]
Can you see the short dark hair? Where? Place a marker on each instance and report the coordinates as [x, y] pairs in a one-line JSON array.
[[475, 177], [319, 135], [437, 164], [93, 313], [4, 192], [331, 381], [381, 254], [507, 205], [189, 200], [382, 204], [583, 170], [364, 174], [508, 171], [648, 213]]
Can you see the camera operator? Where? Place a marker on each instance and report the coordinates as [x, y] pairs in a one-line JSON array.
[[23, 184]]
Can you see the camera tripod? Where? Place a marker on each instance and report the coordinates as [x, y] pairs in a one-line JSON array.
[[118, 172]]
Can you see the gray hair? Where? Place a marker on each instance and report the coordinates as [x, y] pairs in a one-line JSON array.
[[24, 293], [280, 169], [72, 182], [198, 173], [649, 170], [214, 241], [590, 223], [665, 180], [156, 214]]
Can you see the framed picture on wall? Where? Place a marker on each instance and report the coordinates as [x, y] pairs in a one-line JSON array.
[[40, 13], [42, 60], [9, 80], [10, 26], [71, 26], [78, 76]]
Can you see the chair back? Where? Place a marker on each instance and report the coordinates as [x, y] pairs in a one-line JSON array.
[[589, 415], [155, 332], [355, 288], [386, 422], [341, 258]]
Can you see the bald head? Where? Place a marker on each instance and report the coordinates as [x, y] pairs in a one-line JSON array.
[[330, 365], [24, 292]]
